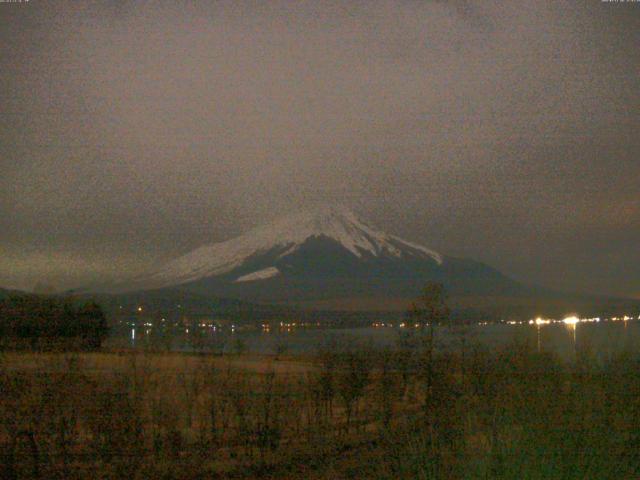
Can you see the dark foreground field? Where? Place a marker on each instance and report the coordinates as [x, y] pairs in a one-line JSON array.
[[344, 413]]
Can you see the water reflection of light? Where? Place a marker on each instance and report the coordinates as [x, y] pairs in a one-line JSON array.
[[571, 323], [133, 334]]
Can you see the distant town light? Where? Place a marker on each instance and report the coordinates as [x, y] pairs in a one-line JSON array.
[[539, 321], [571, 320]]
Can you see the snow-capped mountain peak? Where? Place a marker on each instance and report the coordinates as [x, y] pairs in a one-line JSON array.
[[285, 236]]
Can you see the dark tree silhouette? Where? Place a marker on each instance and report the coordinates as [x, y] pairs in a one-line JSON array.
[[430, 308], [34, 320]]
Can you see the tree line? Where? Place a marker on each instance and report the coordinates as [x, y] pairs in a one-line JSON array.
[[32, 321]]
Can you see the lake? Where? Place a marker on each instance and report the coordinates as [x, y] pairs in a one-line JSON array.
[[602, 338]]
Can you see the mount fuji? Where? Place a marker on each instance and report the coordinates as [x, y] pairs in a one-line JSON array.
[[322, 256]]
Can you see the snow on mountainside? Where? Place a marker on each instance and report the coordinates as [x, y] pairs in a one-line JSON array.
[[259, 275], [286, 236]]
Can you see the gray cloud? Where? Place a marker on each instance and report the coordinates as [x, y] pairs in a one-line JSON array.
[[132, 131]]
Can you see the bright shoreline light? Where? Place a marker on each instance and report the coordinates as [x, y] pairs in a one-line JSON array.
[[539, 321], [571, 320]]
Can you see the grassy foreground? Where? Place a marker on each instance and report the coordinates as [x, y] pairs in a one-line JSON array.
[[405, 413]]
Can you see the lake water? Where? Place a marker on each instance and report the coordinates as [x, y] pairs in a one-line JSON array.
[[603, 338]]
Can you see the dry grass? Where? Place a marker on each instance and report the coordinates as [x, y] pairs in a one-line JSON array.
[[171, 362], [404, 413]]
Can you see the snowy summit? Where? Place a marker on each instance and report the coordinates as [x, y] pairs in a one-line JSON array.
[[286, 236]]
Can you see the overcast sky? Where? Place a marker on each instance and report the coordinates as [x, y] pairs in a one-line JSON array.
[[508, 132]]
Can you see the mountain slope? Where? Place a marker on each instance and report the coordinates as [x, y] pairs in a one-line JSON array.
[[282, 239], [322, 255]]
